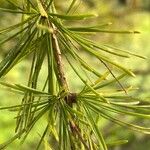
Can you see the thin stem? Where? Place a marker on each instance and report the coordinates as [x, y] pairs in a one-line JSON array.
[[58, 58], [76, 129]]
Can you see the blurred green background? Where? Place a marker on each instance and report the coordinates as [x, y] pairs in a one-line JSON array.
[[124, 15]]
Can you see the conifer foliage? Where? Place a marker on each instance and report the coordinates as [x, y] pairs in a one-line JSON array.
[[44, 36]]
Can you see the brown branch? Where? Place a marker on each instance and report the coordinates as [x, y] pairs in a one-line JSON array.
[[71, 97], [57, 54], [75, 129]]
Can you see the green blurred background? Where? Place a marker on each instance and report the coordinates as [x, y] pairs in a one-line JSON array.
[[124, 15]]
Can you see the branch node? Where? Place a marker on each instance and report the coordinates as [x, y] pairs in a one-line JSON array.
[[71, 98]]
